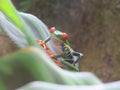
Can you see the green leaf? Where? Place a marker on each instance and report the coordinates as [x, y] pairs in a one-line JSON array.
[[12, 16], [34, 65], [49, 86], [8, 9]]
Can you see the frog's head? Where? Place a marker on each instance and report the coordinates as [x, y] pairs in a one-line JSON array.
[[56, 34]]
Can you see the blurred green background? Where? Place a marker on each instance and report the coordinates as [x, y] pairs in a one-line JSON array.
[[93, 28]]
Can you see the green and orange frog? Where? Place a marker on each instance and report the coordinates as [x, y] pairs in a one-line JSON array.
[[60, 40]]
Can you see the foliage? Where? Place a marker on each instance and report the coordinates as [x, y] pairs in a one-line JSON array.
[[10, 12], [35, 63], [43, 86], [24, 30], [32, 63]]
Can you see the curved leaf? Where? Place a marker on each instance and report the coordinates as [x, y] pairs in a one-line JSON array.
[[49, 86], [34, 63]]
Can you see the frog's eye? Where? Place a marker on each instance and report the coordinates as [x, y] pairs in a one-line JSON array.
[[64, 36], [52, 29]]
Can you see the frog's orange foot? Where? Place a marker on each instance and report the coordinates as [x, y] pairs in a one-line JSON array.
[[58, 63]]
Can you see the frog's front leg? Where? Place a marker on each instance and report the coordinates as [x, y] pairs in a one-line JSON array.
[[47, 39]]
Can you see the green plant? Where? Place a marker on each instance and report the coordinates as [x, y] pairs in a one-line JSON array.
[[23, 29], [32, 63]]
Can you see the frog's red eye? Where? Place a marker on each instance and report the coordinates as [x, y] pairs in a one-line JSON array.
[[52, 29], [64, 36]]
